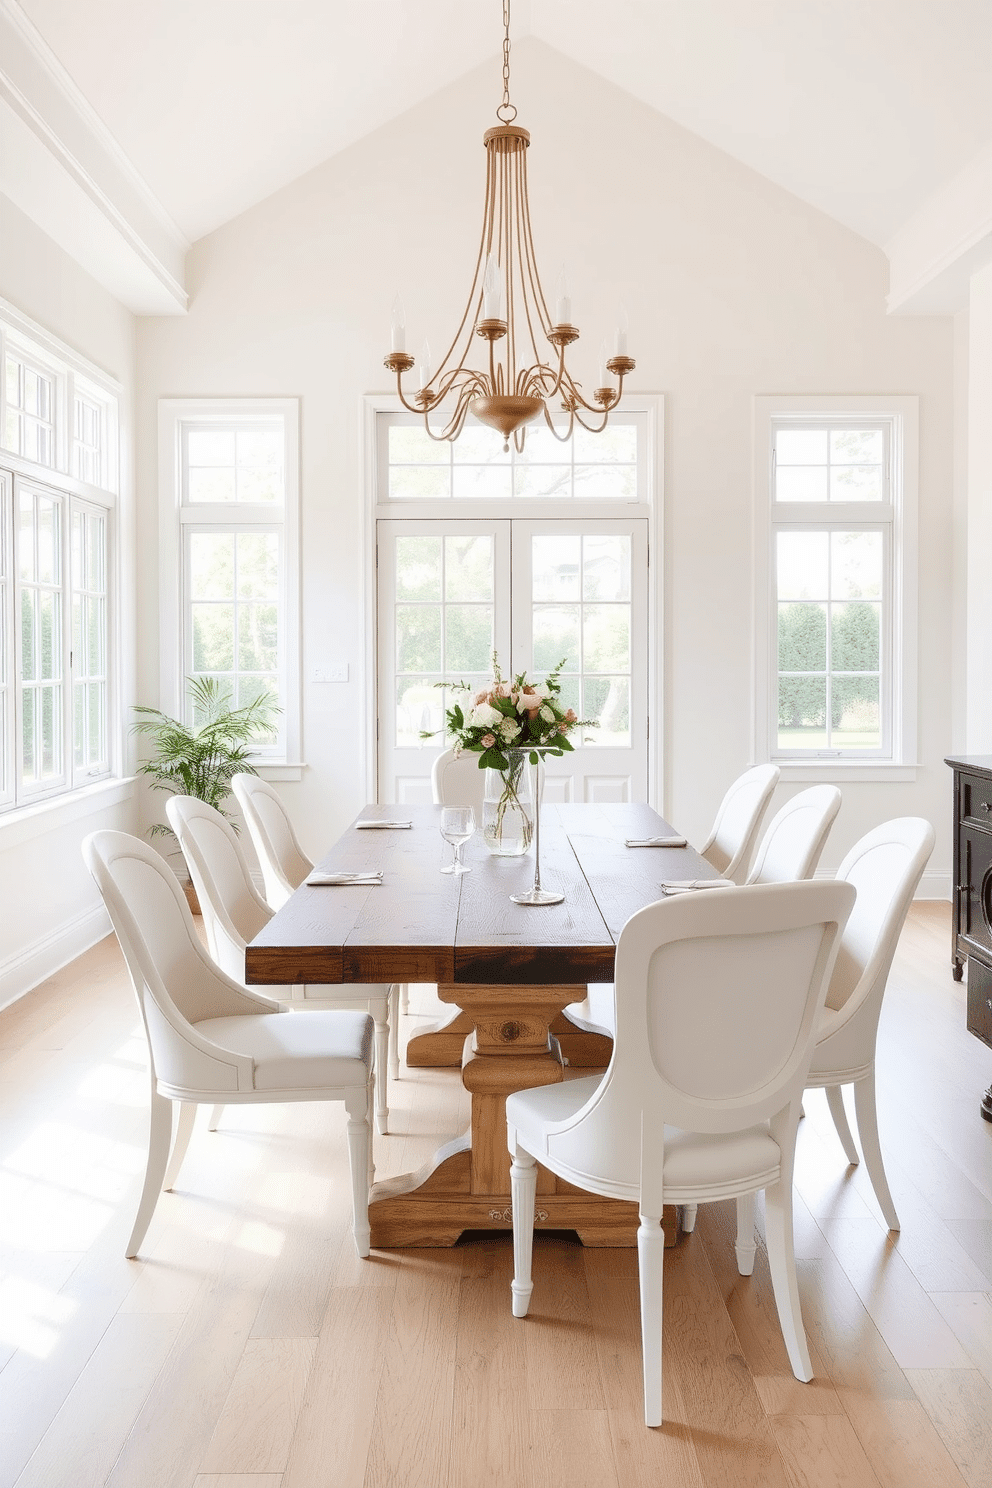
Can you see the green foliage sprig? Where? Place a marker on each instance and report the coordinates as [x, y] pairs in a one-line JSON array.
[[201, 760]]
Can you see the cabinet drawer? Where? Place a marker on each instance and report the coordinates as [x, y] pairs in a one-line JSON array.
[[980, 1000], [976, 800]]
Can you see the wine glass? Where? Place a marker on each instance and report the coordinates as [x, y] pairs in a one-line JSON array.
[[457, 826]]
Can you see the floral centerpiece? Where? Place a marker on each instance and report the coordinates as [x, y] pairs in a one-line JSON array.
[[505, 724]]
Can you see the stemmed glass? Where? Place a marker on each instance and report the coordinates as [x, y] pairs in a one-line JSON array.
[[457, 826]]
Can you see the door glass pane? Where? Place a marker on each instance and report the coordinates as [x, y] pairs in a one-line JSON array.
[[593, 634], [418, 568], [418, 638], [468, 567], [468, 639]]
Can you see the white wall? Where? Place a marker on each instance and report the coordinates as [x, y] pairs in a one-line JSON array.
[[51, 909], [733, 286]]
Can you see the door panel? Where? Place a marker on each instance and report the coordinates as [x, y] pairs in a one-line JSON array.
[[450, 592]]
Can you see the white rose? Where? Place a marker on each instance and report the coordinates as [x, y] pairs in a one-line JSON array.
[[547, 715], [485, 716], [509, 729], [542, 689]]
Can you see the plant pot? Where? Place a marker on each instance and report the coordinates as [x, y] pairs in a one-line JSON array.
[[508, 807]]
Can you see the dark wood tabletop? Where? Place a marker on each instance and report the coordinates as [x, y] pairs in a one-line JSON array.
[[420, 925]]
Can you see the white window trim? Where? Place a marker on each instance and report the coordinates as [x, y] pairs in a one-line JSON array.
[[649, 503], [66, 365], [903, 413], [172, 413]]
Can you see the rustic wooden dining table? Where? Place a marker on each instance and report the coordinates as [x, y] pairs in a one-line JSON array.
[[508, 971]]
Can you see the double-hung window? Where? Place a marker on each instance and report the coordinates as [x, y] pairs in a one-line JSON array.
[[230, 502], [58, 494], [835, 568]]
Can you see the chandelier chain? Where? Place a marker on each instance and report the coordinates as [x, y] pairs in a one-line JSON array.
[[506, 113]]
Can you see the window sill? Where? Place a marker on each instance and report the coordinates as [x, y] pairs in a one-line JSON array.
[[276, 771], [830, 770], [25, 823]]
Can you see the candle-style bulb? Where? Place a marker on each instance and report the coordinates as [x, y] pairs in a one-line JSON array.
[[491, 290], [604, 371], [425, 364], [623, 324], [563, 300], [397, 334]]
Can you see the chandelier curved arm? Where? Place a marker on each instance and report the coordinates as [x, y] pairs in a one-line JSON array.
[[561, 438]]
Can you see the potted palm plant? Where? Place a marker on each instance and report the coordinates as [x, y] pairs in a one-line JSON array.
[[200, 759]]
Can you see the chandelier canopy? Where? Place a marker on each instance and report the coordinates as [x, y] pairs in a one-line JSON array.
[[506, 307]]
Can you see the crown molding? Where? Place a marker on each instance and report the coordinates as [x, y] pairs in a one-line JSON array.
[[63, 168]]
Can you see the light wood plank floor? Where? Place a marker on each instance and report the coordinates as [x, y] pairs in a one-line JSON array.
[[250, 1348]]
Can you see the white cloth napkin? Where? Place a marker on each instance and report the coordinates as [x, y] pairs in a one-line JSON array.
[[370, 878], [655, 842], [368, 821], [688, 885]]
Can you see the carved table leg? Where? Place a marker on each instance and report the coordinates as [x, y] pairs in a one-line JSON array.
[[467, 1185]]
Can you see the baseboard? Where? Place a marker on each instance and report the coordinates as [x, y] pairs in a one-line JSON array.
[[23, 972], [935, 886]]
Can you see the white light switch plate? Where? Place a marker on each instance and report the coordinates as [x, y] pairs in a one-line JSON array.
[[336, 672]]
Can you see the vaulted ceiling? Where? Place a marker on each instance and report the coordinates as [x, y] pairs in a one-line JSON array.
[[861, 107]]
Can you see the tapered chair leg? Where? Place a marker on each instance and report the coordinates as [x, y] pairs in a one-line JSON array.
[[379, 1008], [745, 1246], [180, 1144], [689, 1212], [782, 1264], [651, 1265], [159, 1137], [867, 1114], [213, 1121], [835, 1104], [358, 1104], [394, 1031], [523, 1188]]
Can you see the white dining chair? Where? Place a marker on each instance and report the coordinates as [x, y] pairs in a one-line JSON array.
[[212, 1041], [234, 913], [456, 780], [885, 867], [790, 848], [718, 999], [282, 860], [730, 844]]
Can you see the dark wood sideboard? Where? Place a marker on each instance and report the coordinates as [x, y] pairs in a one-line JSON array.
[[971, 925]]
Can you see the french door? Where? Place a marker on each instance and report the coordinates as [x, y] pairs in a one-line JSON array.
[[537, 592]]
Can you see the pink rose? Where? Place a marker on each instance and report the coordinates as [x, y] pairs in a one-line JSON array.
[[489, 740], [571, 716]]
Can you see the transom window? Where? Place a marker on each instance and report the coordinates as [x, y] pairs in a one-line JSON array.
[[599, 467]]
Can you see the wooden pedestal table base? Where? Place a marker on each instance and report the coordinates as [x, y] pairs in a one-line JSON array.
[[440, 1045], [467, 1184]]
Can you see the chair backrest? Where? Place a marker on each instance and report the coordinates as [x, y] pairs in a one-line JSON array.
[[718, 997], [885, 867], [233, 911], [283, 862], [456, 780], [791, 847], [729, 846], [176, 983]]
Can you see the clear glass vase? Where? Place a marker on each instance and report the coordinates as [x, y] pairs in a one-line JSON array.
[[508, 807]]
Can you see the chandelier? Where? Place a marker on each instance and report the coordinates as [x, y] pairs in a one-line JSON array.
[[519, 379]]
